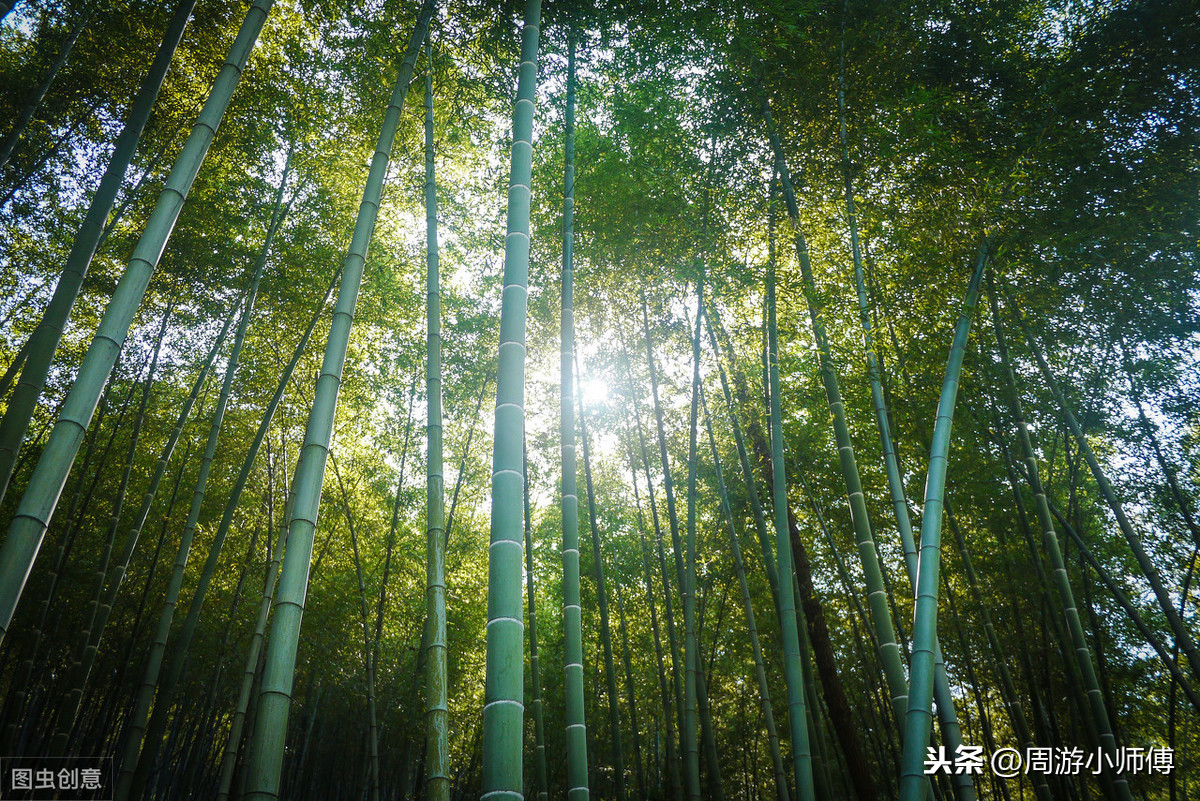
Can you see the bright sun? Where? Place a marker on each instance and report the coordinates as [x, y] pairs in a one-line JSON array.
[[594, 392]]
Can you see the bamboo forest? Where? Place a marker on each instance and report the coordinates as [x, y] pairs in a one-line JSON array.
[[649, 400]]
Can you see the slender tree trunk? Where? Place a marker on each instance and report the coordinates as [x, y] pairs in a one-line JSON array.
[[503, 702], [535, 671], [437, 765], [576, 733], [880, 614], [368, 667], [691, 654], [760, 674], [845, 729], [253, 658], [28, 527], [672, 759], [673, 723], [919, 719]]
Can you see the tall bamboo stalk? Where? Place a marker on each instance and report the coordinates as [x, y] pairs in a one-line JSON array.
[[43, 342], [610, 673], [266, 760], [504, 706], [576, 727], [535, 671], [674, 776], [691, 656], [28, 527], [437, 764], [918, 721], [760, 674], [797, 708]]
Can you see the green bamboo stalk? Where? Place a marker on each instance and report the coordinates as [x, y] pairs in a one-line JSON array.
[[368, 663], [1008, 690], [797, 711], [868, 555], [691, 656], [630, 694], [756, 507], [266, 756], [845, 728], [86, 650], [132, 779], [672, 759], [576, 727], [253, 656], [437, 764], [504, 686], [945, 701], [918, 721], [28, 527], [676, 542], [43, 342], [673, 727]]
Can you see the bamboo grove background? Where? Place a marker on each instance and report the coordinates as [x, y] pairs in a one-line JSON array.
[[723, 518]]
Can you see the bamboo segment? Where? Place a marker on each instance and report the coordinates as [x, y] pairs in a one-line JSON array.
[[504, 706]]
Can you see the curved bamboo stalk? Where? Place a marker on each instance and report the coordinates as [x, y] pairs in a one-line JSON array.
[[918, 721]]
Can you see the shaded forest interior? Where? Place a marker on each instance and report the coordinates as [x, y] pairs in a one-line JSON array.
[[647, 401]]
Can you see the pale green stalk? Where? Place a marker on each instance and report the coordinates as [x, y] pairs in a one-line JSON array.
[[270, 729], [437, 760], [28, 527], [576, 734], [918, 721], [797, 713], [43, 342], [691, 657]]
